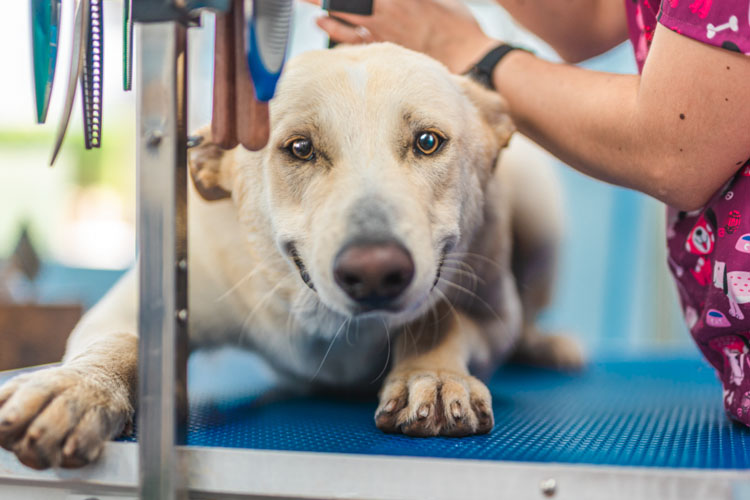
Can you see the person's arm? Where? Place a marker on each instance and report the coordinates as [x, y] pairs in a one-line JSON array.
[[576, 29], [623, 129], [677, 133]]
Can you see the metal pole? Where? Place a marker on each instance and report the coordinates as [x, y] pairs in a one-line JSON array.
[[162, 244]]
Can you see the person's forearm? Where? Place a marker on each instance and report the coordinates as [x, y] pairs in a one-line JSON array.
[[585, 118], [678, 132], [576, 29], [596, 123]]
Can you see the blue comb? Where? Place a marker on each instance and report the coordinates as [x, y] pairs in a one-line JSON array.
[[266, 43]]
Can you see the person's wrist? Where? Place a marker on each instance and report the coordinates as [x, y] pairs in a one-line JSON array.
[[466, 54], [508, 61]]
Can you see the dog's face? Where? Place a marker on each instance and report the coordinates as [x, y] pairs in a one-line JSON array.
[[374, 171]]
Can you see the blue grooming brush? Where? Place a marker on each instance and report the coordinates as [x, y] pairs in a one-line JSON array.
[[266, 41]]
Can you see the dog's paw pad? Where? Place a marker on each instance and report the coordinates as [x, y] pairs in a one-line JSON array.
[[431, 403]]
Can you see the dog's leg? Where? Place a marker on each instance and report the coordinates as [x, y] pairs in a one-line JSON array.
[[429, 391], [62, 416], [534, 268], [537, 233]]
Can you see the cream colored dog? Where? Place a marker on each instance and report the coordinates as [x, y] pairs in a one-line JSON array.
[[375, 238]]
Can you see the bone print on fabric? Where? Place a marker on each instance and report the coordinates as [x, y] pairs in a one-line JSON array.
[[724, 24], [709, 249]]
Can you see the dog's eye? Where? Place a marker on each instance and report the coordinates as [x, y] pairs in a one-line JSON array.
[[300, 147], [427, 142]]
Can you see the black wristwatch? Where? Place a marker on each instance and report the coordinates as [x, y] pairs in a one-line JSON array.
[[482, 71]]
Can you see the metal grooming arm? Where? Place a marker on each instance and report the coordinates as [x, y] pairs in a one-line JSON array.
[[162, 244]]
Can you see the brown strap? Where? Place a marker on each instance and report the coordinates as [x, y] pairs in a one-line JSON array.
[[252, 116], [237, 116], [224, 119]]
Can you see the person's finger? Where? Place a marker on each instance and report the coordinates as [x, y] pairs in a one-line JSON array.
[[343, 33]]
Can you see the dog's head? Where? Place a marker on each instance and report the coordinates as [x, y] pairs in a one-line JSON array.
[[374, 171]]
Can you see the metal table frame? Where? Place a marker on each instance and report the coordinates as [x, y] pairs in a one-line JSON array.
[[220, 473]]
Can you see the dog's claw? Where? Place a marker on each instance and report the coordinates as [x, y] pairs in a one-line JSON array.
[[456, 410], [424, 411], [434, 403]]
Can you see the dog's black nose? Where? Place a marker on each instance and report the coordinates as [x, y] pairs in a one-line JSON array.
[[374, 274]]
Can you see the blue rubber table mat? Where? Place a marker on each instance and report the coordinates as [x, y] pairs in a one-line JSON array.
[[638, 412], [647, 412]]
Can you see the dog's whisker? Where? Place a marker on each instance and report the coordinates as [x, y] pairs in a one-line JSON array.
[[471, 276], [388, 352], [461, 263], [435, 323], [348, 341], [473, 296], [330, 346], [466, 267], [451, 310], [244, 279], [260, 303], [475, 256], [444, 298], [407, 327]]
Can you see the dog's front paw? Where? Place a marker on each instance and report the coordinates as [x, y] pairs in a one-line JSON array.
[[432, 403], [61, 416]]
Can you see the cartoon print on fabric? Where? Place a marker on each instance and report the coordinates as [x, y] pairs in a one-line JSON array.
[[733, 350], [716, 319], [734, 217], [642, 46], [735, 285], [701, 241], [743, 243], [744, 407], [731, 24], [700, 7], [717, 23]]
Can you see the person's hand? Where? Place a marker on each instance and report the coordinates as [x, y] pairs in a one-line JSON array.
[[443, 29]]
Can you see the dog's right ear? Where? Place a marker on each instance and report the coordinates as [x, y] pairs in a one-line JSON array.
[[492, 107], [208, 168]]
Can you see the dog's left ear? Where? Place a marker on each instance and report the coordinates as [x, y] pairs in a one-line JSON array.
[[208, 167], [492, 107]]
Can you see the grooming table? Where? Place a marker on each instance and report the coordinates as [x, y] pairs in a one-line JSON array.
[[647, 427]]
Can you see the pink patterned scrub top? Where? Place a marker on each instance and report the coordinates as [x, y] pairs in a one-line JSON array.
[[709, 249]]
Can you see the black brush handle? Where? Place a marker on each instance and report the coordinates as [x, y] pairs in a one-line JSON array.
[[361, 7]]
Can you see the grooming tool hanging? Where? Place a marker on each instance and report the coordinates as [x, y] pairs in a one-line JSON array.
[[251, 44], [86, 65], [249, 51]]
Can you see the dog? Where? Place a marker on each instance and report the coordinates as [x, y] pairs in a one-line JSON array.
[[376, 241]]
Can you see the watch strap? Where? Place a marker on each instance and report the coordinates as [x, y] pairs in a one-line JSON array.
[[482, 71]]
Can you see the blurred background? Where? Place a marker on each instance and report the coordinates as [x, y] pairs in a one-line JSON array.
[[67, 233]]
